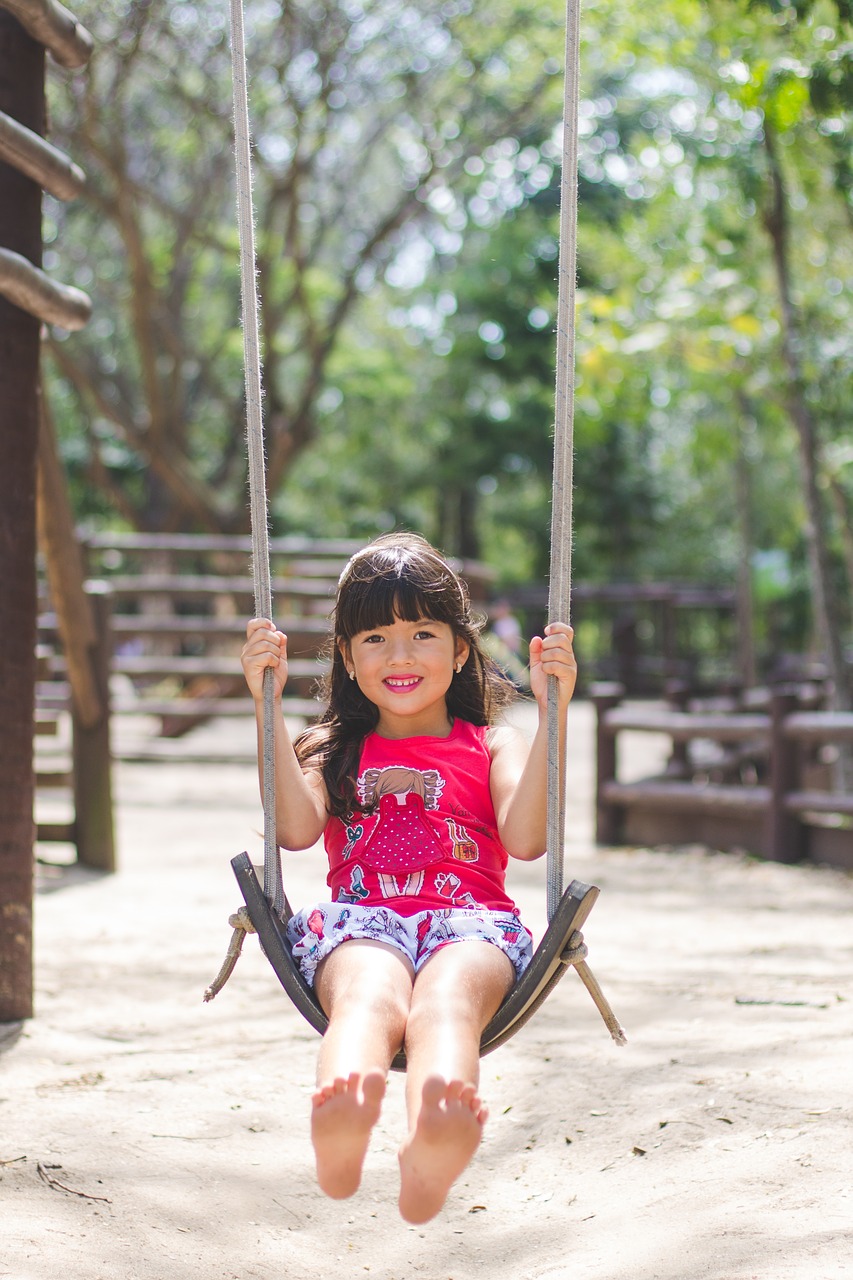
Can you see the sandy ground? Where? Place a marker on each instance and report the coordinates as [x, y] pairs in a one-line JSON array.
[[147, 1136]]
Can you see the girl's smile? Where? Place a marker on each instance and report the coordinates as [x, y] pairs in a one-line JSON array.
[[402, 684]]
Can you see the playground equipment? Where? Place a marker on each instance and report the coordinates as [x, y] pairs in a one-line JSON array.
[[21, 281], [28, 299]]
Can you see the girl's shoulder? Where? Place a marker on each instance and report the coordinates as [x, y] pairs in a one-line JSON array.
[[498, 737]]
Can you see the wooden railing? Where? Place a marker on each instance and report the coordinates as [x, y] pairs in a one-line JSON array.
[[757, 780], [179, 606], [179, 610], [644, 635]]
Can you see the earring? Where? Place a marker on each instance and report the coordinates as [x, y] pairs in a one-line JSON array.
[[352, 675], [458, 667]]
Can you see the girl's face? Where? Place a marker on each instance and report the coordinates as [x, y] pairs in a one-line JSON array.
[[405, 669]]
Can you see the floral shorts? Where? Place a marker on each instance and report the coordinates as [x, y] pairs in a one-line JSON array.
[[314, 932]]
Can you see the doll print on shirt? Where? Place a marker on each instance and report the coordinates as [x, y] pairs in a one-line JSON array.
[[403, 844]]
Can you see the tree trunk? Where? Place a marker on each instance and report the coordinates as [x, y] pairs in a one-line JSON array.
[[22, 97], [827, 617], [745, 601], [469, 541], [844, 525]]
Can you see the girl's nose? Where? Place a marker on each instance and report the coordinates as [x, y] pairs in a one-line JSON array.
[[401, 653]]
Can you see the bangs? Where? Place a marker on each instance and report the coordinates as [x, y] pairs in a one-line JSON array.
[[371, 599]]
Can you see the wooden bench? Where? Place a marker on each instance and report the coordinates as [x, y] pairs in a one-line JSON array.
[[792, 815]]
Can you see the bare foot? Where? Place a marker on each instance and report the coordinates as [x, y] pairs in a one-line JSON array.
[[344, 1113], [446, 1135]]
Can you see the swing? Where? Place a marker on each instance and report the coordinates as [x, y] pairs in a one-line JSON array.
[[266, 909]]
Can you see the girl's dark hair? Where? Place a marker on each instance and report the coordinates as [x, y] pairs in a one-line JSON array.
[[398, 576]]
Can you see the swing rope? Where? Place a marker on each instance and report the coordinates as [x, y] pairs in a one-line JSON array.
[[561, 501], [261, 575], [550, 961], [561, 496]]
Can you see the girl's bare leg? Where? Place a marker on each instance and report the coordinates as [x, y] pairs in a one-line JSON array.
[[455, 995], [365, 987]]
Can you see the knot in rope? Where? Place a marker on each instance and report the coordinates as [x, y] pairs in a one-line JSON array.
[[240, 919], [241, 923], [576, 951]]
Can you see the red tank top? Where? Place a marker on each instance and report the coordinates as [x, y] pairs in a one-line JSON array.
[[431, 839]]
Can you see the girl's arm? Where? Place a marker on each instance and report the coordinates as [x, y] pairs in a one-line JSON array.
[[301, 810], [519, 774]]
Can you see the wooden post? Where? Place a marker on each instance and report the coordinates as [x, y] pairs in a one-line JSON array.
[[678, 697], [625, 647], [66, 578], [744, 608], [607, 816], [92, 754], [22, 98], [785, 837], [669, 637]]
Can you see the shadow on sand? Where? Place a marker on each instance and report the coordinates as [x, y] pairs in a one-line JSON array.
[[52, 876]]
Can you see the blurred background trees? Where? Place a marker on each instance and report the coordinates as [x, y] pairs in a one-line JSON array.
[[406, 196]]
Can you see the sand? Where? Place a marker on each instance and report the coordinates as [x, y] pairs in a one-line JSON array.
[[145, 1135]]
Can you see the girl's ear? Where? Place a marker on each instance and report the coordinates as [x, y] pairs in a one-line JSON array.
[[463, 649], [345, 650]]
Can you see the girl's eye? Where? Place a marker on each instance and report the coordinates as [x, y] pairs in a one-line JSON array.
[[424, 635]]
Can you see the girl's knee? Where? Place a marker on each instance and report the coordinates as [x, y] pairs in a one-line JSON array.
[[464, 983], [369, 981], [467, 968], [388, 1006]]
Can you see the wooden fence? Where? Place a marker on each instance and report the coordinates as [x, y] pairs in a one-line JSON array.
[[172, 613], [761, 780], [85, 774], [644, 635]]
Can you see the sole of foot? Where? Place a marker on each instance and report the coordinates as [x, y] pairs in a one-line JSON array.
[[344, 1112], [446, 1135]]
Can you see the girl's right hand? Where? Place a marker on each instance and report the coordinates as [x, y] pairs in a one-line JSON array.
[[264, 647]]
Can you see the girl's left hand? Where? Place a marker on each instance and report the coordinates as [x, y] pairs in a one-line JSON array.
[[553, 655]]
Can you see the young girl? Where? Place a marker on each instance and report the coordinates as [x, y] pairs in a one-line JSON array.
[[420, 800]]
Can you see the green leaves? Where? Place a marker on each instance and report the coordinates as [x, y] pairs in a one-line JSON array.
[[407, 192]]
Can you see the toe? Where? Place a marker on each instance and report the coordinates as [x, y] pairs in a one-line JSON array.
[[374, 1087], [434, 1091]]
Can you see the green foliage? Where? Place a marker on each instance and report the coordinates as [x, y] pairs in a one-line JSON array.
[[359, 116], [407, 194]]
